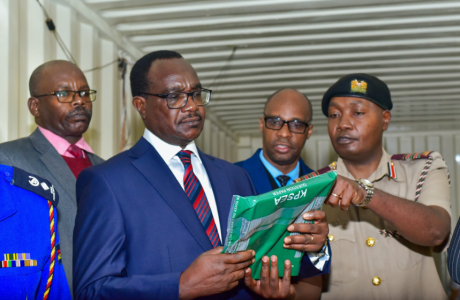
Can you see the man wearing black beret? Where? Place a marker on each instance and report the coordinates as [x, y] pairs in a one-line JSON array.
[[383, 243]]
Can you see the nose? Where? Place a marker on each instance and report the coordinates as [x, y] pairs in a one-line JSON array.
[[78, 100], [344, 123], [190, 105], [284, 131]]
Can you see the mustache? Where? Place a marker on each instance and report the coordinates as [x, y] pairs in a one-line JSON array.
[[195, 114], [79, 111]]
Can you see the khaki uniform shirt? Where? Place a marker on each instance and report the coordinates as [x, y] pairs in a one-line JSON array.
[[360, 253]]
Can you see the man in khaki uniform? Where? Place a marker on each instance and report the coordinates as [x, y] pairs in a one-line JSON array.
[[381, 245]]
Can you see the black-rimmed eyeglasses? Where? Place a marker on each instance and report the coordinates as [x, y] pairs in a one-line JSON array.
[[179, 99], [69, 96], [294, 126]]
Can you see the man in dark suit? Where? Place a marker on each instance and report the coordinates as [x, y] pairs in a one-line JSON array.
[[151, 220], [285, 127], [61, 103]]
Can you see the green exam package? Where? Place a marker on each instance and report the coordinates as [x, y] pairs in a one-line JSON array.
[[260, 222]]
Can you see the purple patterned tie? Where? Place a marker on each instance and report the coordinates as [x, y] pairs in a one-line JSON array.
[[75, 151], [197, 196]]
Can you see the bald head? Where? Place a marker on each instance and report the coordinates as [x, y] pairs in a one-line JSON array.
[[68, 117], [50, 67], [281, 97]]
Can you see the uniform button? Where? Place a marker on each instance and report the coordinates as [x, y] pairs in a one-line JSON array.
[[330, 237], [370, 242], [376, 281]]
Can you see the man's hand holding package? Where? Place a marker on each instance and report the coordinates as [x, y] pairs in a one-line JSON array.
[[270, 286], [214, 273], [345, 192], [313, 235]]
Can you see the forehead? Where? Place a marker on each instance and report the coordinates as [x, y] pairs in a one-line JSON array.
[[61, 76], [289, 105], [172, 70]]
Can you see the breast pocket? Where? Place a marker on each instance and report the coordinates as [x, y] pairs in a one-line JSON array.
[[345, 264], [406, 254]]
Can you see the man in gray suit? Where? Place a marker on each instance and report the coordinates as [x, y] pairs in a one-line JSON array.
[[61, 102]]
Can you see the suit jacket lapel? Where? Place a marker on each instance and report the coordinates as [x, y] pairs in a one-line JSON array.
[[150, 164], [222, 191], [95, 160], [258, 174], [55, 164]]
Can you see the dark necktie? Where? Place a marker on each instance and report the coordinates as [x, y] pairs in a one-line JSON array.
[[197, 196], [75, 151], [283, 179]]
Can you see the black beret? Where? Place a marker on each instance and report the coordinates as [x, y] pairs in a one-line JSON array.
[[362, 86]]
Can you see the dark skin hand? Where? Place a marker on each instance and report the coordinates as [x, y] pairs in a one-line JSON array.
[[213, 273], [270, 286], [356, 127], [318, 230], [418, 223]]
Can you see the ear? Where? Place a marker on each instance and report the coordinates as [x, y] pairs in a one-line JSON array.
[[386, 119], [309, 131], [140, 104], [261, 124], [34, 106]]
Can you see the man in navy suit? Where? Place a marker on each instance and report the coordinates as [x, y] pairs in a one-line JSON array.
[[151, 219], [285, 127]]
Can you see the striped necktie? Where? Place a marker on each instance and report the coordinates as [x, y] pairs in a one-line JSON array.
[[197, 196]]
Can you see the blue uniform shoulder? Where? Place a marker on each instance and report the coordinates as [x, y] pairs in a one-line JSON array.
[[30, 182]]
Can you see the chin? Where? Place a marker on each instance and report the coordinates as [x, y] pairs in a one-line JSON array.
[[283, 159]]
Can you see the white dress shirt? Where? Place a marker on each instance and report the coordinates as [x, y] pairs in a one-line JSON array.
[[169, 154]]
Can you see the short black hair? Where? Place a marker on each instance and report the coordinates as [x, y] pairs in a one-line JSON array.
[[139, 80], [283, 89]]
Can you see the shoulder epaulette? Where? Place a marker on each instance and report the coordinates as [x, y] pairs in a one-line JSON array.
[[412, 156], [329, 168], [35, 184]]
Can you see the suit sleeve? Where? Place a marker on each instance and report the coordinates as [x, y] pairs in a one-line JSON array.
[[453, 255], [100, 252], [308, 269], [5, 160]]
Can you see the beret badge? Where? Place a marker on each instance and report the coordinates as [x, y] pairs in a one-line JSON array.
[[359, 86]]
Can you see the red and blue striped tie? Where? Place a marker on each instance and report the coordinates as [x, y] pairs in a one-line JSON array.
[[197, 196]]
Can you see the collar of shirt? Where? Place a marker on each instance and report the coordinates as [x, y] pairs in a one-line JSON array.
[[61, 145], [169, 152], [381, 171], [275, 172]]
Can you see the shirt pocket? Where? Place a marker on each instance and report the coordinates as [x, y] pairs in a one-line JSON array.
[[406, 254], [345, 264]]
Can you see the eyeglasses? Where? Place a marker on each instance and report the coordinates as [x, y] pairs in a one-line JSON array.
[[179, 99], [67, 96], [294, 126]]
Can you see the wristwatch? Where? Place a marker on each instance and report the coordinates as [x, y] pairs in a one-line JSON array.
[[369, 187]]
